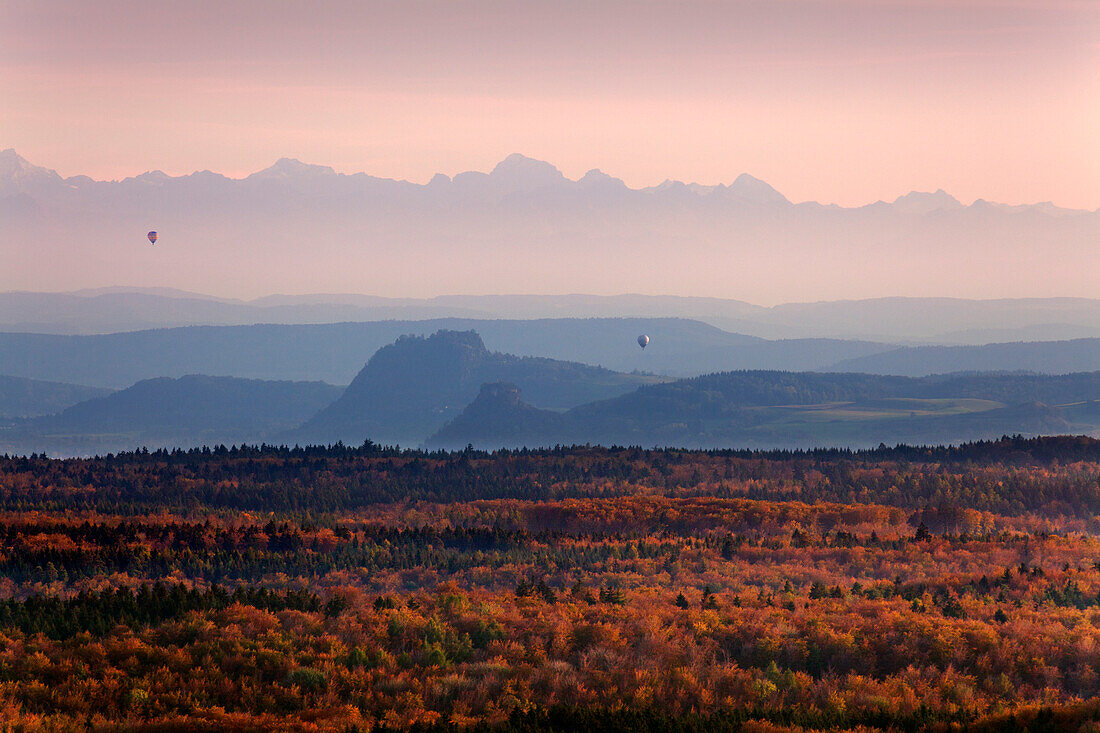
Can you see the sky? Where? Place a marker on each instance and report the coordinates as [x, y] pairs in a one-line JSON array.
[[844, 102]]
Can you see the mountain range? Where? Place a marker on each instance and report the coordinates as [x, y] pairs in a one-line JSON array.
[[295, 226]]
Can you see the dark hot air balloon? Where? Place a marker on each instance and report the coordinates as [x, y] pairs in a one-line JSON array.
[[643, 340], [152, 237]]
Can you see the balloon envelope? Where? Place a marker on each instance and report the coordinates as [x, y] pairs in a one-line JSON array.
[[643, 340], [152, 237]]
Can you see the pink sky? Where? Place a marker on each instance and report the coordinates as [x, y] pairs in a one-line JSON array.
[[845, 102]]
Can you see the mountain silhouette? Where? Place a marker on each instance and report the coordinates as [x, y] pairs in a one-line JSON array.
[[409, 389], [525, 222]]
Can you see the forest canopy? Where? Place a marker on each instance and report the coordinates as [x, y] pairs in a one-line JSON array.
[[619, 589]]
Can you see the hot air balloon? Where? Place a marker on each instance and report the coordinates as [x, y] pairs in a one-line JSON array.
[[152, 237], [643, 340]]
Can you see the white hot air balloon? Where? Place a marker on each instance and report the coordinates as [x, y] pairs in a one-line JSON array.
[[643, 340]]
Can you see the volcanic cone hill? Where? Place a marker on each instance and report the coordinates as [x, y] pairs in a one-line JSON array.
[[411, 388]]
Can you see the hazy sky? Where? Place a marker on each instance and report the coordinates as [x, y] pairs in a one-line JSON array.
[[846, 102]]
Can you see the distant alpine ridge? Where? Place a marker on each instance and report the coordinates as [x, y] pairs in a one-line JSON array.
[[524, 222], [516, 173]]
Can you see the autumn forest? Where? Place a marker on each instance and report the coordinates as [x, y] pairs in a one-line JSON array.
[[356, 589]]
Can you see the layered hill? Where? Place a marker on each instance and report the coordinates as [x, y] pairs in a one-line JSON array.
[[335, 352], [896, 320], [451, 387], [1060, 357], [22, 397], [792, 410], [187, 411], [410, 388]]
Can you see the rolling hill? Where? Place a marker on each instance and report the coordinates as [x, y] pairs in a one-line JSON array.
[[946, 321], [335, 352], [1058, 357], [22, 397], [187, 411], [791, 410]]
